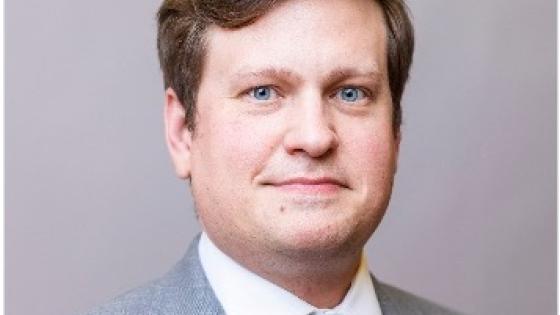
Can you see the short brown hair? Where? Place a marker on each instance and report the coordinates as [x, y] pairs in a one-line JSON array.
[[181, 46]]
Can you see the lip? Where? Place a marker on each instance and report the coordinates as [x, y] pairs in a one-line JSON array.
[[309, 185]]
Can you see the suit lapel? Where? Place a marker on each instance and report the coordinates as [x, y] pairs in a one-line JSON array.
[[388, 306], [195, 295]]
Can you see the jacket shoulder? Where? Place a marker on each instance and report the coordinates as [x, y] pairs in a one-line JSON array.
[[137, 301], [395, 301], [184, 290]]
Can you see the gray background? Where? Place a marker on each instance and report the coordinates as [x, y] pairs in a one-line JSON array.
[[93, 207]]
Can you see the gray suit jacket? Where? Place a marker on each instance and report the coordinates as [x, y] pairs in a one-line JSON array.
[[185, 291]]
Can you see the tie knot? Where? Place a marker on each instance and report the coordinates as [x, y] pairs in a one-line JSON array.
[[325, 312]]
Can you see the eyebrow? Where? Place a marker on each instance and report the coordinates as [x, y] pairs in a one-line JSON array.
[[277, 74], [343, 73]]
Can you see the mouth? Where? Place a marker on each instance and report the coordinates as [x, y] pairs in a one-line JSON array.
[[309, 185]]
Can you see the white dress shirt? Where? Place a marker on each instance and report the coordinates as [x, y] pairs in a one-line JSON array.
[[242, 292]]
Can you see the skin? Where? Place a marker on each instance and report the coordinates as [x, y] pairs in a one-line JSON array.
[[291, 179]]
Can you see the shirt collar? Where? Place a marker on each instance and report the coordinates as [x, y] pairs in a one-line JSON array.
[[242, 292]]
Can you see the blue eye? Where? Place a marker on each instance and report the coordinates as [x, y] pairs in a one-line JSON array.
[[262, 93], [350, 94]]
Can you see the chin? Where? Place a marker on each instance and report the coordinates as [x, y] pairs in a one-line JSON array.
[[322, 228], [320, 240]]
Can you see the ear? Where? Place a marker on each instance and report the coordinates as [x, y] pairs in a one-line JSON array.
[[177, 136]]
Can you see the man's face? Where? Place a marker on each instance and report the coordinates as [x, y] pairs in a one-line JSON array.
[[294, 151]]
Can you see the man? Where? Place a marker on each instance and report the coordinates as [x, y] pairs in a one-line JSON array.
[[284, 116]]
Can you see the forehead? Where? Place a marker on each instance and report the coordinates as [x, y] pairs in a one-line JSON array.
[[306, 37]]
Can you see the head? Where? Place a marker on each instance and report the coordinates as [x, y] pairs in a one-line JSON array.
[[285, 115], [183, 26]]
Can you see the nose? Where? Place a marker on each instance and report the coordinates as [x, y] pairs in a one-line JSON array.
[[311, 129]]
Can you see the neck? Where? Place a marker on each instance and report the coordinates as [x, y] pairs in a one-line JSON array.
[[323, 286], [320, 280]]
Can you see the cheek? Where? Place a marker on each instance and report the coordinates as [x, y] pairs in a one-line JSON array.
[[373, 152], [244, 145]]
